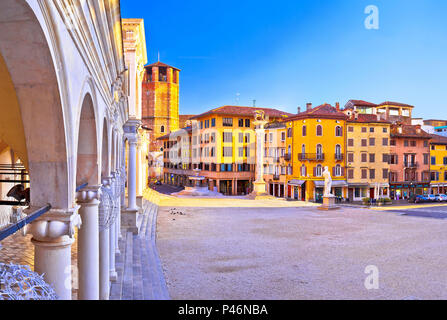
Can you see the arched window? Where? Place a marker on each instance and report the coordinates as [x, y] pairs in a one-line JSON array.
[[319, 130], [319, 152], [303, 171], [338, 131], [338, 152], [337, 171], [304, 131], [303, 149], [318, 171], [162, 129]]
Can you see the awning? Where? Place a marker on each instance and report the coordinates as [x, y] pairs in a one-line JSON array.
[[298, 183], [358, 185], [381, 185], [335, 183]]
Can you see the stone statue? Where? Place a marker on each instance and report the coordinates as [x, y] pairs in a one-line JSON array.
[[327, 182]]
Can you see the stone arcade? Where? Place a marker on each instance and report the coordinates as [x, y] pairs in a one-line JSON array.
[[65, 114]]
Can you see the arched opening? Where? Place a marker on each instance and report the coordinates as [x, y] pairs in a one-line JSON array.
[[105, 159], [31, 115], [87, 156]]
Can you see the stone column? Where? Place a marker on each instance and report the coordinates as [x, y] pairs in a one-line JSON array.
[[259, 184], [53, 235], [112, 232], [88, 243], [130, 218]]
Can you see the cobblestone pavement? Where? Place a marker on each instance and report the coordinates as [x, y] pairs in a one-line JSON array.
[[18, 249], [300, 253]]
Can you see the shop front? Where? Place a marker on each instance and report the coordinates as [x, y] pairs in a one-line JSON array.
[[296, 190], [339, 188], [438, 188], [399, 191]]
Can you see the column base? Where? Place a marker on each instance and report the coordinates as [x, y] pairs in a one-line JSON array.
[[328, 204], [258, 191], [131, 221], [113, 276]]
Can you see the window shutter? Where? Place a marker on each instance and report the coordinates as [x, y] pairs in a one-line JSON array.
[[333, 171], [315, 171]]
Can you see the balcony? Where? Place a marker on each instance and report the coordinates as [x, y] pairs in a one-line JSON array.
[[311, 156], [287, 157], [339, 157], [276, 177], [411, 165]]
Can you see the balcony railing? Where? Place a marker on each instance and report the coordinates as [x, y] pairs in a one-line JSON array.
[[311, 156], [276, 177], [287, 157], [339, 157], [411, 164]]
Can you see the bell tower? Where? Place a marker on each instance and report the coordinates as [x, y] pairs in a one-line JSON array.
[[160, 109]]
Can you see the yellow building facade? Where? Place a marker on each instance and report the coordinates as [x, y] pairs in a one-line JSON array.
[[438, 164], [368, 151], [315, 140], [222, 144]]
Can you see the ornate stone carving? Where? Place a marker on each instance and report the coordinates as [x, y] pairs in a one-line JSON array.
[[88, 194], [54, 224]]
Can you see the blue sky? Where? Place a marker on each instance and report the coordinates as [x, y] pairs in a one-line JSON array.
[[286, 53]]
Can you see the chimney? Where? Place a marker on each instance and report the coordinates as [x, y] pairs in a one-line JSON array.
[[308, 106], [299, 109], [418, 129], [337, 106]]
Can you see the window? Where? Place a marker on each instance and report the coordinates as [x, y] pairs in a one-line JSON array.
[[364, 129], [227, 151], [426, 157], [337, 170], [385, 142], [247, 138], [319, 130], [405, 143], [372, 157], [433, 160], [241, 137], [303, 149], [271, 137], [338, 131], [303, 171], [364, 157], [212, 152], [304, 131], [372, 142], [385, 158], [445, 161], [384, 173], [289, 132], [372, 173], [241, 152], [207, 123], [227, 137], [213, 122], [162, 129], [434, 176], [247, 123], [318, 171], [227, 122], [338, 152], [392, 142], [413, 143], [241, 123], [364, 173], [384, 130], [425, 144], [213, 137], [351, 174], [350, 142], [364, 143], [350, 129], [283, 136], [371, 129], [350, 157], [319, 150]]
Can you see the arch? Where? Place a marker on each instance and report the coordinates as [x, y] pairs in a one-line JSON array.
[[41, 140], [338, 131], [319, 130], [87, 168]]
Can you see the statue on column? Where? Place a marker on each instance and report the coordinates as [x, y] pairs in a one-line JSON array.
[[327, 182]]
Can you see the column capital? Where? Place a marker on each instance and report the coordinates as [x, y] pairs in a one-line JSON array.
[[89, 194], [55, 224], [108, 181]]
